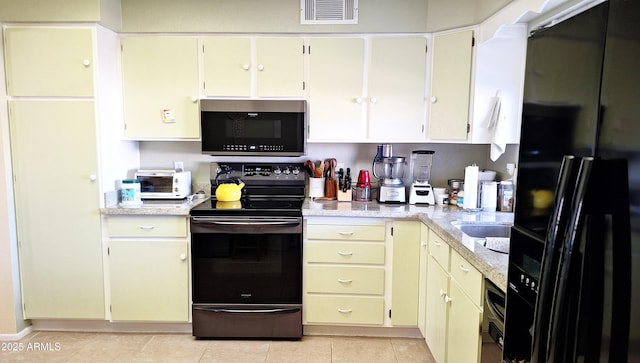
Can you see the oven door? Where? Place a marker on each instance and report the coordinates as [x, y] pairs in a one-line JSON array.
[[246, 260]]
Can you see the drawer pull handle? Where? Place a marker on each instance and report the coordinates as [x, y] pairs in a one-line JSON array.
[[437, 243], [464, 269], [345, 233], [345, 253], [345, 281], [344, 311], [147, 227]]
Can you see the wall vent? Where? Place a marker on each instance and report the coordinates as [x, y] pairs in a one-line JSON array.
[[328, 11]]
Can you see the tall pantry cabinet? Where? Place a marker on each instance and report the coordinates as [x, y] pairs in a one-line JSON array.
[[54, 111]]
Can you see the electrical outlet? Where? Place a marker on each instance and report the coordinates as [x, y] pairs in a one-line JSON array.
[[511, 168], [178, 165]]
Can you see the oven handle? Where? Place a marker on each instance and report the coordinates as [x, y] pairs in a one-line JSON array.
[[252, 311], [247, 222]]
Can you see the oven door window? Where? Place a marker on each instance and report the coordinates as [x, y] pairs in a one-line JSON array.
[[247, 268]]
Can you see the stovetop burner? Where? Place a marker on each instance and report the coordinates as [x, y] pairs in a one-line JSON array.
[[270, 189]]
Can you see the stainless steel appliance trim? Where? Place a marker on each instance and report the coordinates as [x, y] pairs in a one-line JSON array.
[[248, 311]]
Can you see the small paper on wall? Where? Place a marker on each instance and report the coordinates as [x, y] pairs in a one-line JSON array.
[[168, 116]]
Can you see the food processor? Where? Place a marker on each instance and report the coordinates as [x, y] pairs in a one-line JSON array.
[[391, 170], [421, 191]]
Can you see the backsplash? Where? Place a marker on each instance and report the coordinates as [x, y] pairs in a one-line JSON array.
[[449, 160]]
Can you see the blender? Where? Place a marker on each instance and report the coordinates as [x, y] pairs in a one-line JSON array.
[[391, 171], [421, 191]]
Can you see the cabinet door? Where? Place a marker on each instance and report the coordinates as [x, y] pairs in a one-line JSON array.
[[450, 86], [149, 280], [464, 339], [227, 66], [57, 208], [405, 273], [396, 88], [44, 61], [280, 71], [436, 310], [336, 71], [160, 80], [422, 278]]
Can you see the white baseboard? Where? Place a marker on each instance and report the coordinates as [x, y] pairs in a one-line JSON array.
[[17, 336], [362, 331], [103, 326]]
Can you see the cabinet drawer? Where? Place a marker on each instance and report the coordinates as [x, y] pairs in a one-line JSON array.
[[351, 232], [439, 249], [146, 226], [345, 280], [344, 309], [352, 253], [468, 277]]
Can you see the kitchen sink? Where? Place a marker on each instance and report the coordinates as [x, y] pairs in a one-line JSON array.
[[493, 236], [484, 230]]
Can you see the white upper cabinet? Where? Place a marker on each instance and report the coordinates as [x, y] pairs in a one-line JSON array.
[[450, 86], [396, 88], [253, 67], [499, 74], [48, 61], [336, 75], [160, 82], [367, 89]]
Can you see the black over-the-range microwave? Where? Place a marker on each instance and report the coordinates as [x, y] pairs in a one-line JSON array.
[[253, 127]]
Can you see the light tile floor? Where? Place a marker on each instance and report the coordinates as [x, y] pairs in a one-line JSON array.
[[123, 347]]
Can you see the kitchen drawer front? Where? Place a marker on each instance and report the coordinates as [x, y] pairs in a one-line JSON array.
[[344, 309], [346, 232], [439, 249], [147, 226], [351, 253], [345, 280], [468, 277]]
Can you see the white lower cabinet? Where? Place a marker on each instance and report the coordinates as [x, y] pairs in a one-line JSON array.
[[148, 264], [344, 271], [454, 300]]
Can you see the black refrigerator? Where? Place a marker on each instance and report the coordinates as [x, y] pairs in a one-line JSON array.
[[574, 266]]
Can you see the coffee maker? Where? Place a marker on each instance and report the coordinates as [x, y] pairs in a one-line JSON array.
[[421, 191], [389, 169]]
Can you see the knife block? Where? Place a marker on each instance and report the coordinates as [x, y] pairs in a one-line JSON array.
[[345, 196]]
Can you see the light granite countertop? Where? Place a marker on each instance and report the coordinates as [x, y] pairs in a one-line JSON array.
[[155, 207], [492, 265]]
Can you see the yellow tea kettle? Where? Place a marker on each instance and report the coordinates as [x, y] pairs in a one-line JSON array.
[[229, 190]]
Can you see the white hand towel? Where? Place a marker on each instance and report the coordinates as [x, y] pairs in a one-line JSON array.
[[496, 125]]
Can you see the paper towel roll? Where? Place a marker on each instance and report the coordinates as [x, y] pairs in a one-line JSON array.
[[471, 187]]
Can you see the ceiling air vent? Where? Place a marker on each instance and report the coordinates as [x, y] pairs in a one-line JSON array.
[[329, 11]]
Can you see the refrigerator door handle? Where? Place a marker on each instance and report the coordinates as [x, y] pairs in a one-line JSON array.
[[548, 271], [564, 308]]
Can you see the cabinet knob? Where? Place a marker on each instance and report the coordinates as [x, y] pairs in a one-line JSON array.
[[194, 99], [358, 100], [441, 292], [86, 62], [183, 256], [423, 243], [434, 99], [447, 299], [260, 67], [93, 177], [374, 100], [246, 67]]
